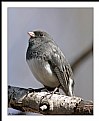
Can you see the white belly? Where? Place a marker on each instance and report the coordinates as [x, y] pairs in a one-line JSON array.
[[43, 72]]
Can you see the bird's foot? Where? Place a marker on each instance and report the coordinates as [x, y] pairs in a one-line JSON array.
[[55, 91], [37, 90], [30, 90]]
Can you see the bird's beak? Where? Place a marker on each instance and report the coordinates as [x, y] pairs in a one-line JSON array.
[[32, 34]]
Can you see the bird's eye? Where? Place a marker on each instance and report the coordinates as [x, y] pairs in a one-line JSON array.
[[41, 34]]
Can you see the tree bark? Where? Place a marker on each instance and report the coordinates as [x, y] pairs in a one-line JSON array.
[[47, 103]]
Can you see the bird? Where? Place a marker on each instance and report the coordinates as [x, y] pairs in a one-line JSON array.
[[48, 63]]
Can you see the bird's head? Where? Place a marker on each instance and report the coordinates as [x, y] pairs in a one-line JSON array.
[[36, 34], [38, 37]]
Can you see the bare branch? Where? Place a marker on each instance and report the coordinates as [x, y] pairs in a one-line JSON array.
[[82, 57], [47, 103]]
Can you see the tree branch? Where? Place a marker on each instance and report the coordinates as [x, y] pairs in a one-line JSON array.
[[47, 103], [84, 55]]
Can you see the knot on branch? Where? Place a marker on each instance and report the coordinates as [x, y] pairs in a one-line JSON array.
[[44, 106]]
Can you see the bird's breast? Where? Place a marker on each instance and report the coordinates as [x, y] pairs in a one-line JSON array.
[[43, 72]]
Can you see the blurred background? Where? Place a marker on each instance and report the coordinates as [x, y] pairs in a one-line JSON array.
[[72, 30]]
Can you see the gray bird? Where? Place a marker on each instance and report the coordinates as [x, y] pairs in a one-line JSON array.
[[48, 64]]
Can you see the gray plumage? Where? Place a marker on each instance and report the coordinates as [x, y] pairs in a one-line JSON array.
[[47, 62]]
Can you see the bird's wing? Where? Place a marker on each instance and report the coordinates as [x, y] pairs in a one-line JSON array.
[[60, 67]]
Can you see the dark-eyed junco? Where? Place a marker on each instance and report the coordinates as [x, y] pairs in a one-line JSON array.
[[48, 64]]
